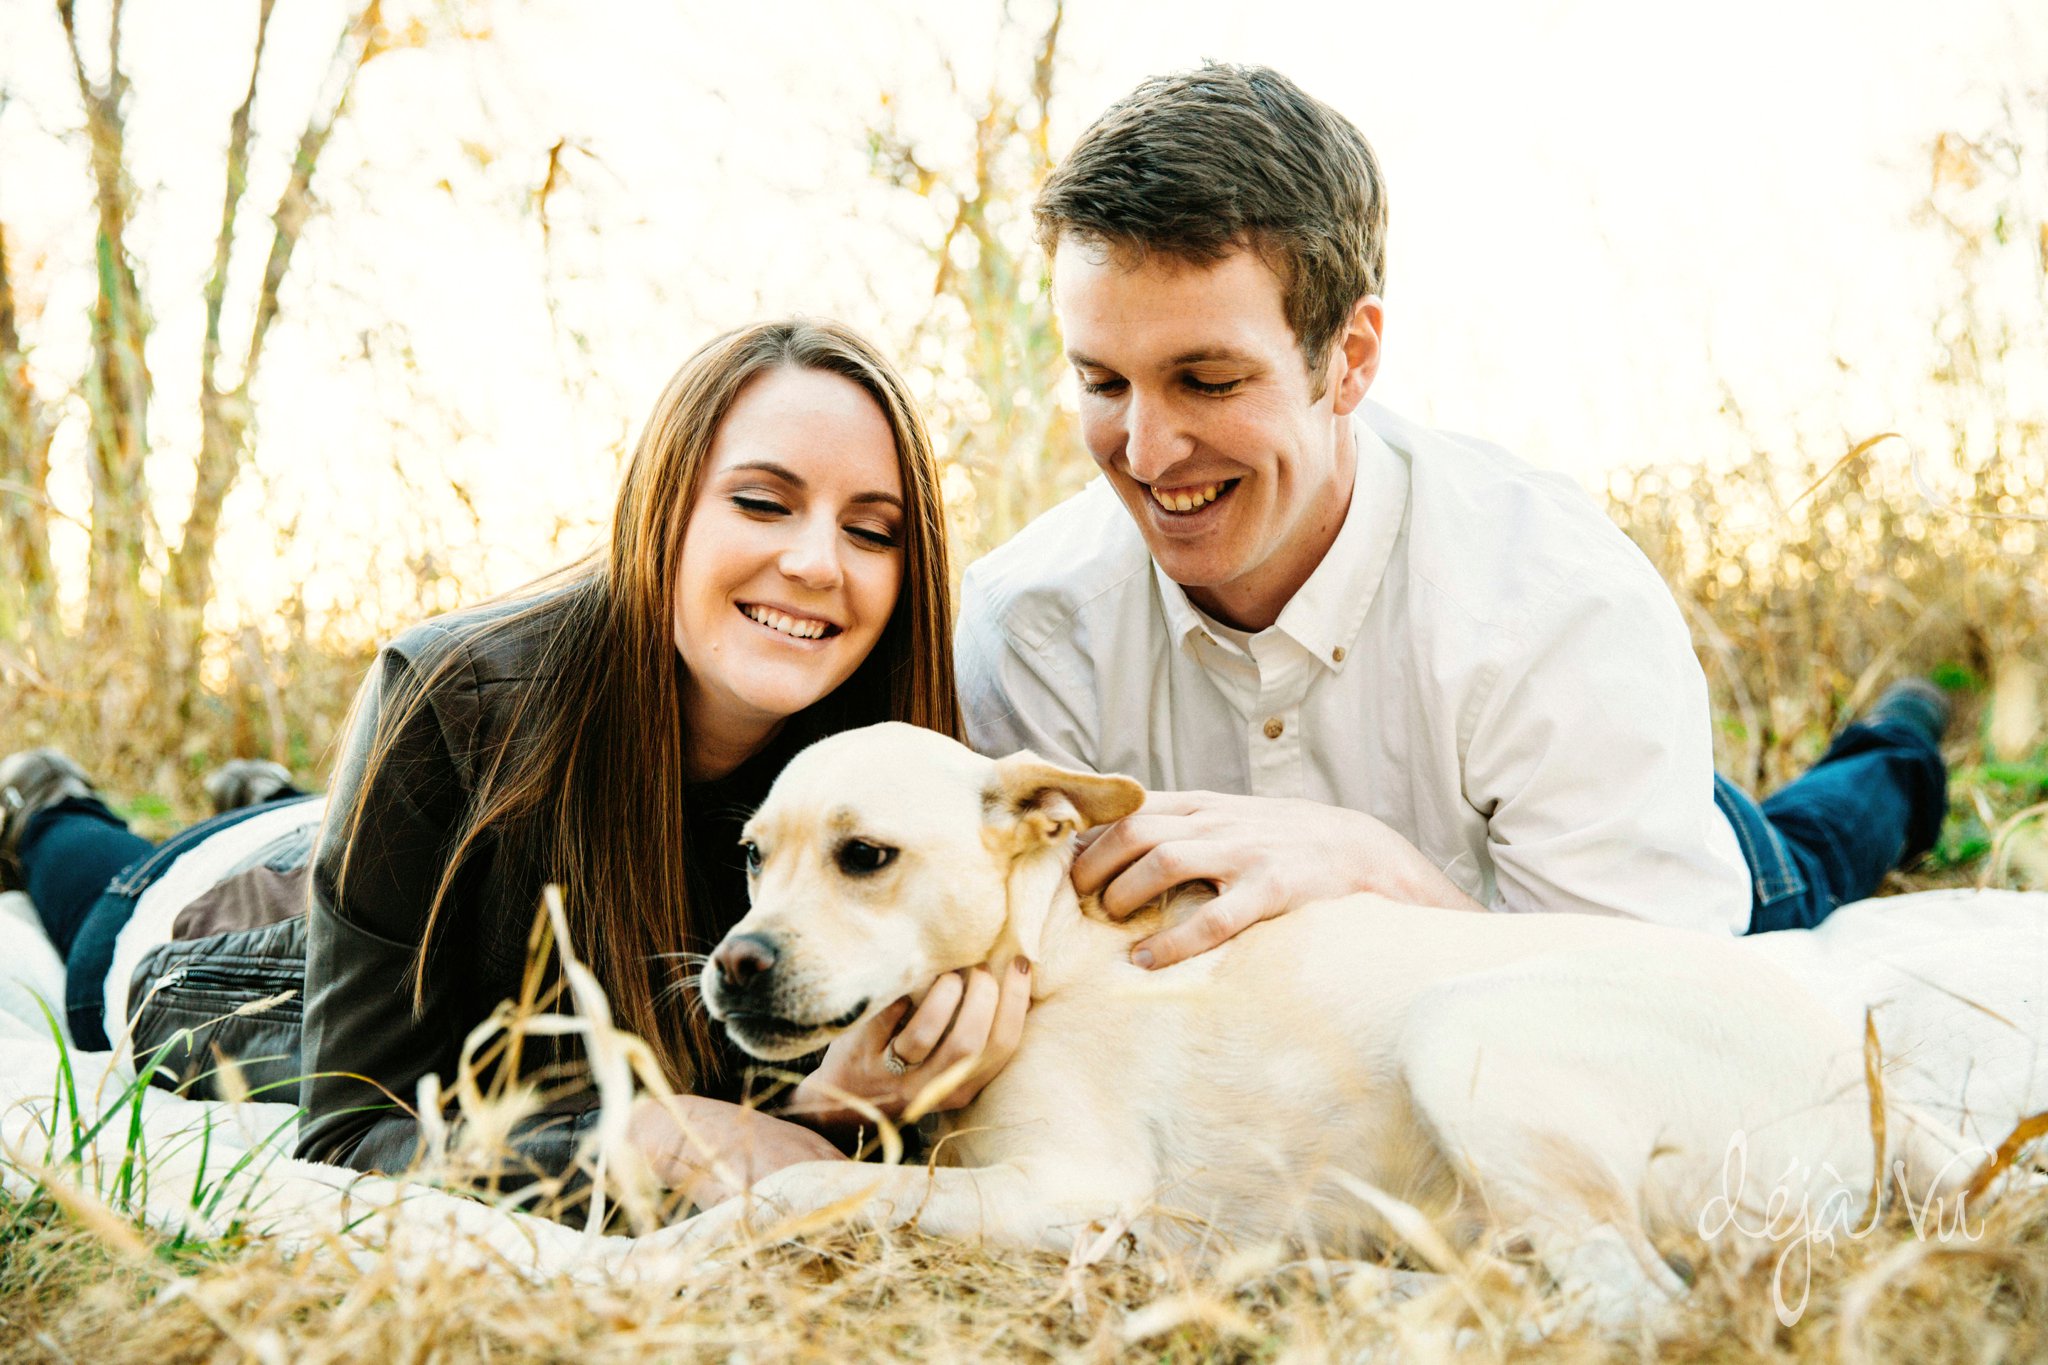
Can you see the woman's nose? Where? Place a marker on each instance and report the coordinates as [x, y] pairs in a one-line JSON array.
[[812, 556]]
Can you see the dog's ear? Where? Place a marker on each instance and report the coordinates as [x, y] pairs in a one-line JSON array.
[[1029, 803], [1031, 806]]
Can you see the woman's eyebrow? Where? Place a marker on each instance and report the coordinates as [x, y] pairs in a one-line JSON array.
[[782, 472], [796, 481]]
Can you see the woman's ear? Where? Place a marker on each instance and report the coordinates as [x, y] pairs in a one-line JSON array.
[[1030, 803]]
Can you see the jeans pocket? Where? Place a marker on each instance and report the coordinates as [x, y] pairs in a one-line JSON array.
[[1775, 878]]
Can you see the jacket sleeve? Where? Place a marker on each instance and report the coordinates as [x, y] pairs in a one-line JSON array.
[[366, 1048]]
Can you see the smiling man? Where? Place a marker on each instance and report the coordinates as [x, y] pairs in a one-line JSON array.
[[1347, 653]]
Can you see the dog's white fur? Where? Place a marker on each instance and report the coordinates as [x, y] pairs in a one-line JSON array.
[[1571, 1081]]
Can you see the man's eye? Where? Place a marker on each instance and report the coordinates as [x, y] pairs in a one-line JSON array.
[[1099, 385], [752, 851], [1217, 389], [858, 857]]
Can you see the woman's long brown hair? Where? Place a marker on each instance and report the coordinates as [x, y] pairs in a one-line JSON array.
[[592, 784]]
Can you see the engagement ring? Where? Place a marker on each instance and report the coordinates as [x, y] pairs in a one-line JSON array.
[[892, 1061]]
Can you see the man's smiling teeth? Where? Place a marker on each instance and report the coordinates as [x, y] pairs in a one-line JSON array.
[[1187, 499], [802, 628]]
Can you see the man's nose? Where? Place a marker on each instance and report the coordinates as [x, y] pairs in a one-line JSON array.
[[1153, 442], [742, 958]]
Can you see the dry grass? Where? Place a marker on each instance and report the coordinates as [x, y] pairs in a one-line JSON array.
[[1809, 585], [847, 1296]]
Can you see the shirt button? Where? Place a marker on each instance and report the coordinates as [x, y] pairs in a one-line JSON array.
[[1274, 727], [1337, 655]]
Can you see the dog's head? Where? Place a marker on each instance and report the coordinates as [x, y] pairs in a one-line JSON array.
[[883, 858]]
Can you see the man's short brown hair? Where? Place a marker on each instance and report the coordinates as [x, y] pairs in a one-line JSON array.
[[1203, 163]]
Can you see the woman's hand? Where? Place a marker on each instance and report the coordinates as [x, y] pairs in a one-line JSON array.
[[964, 1014], [711, 1150]]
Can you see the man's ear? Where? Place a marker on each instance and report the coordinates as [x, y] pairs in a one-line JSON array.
[[1356, 356], [1030, 803]]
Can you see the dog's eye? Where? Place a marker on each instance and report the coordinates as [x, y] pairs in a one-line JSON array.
[[752, 851], [858, 857]]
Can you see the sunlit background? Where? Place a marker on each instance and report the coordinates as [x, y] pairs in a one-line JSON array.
[[1690, 257], [1614, 224]]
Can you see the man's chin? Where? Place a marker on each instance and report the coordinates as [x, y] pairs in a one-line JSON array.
[[1194, 568]]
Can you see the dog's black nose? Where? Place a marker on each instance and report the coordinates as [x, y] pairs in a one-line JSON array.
[[743, 957]]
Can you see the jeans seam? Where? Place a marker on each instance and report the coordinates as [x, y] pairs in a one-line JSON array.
[[1774, 878]]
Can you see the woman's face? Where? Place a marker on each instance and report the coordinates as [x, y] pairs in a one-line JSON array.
[[791, 561]]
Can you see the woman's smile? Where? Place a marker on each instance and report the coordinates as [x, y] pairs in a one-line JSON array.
[[790, 625]]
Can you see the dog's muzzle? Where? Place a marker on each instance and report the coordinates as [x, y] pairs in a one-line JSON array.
[[776, 1037], [743, 990]]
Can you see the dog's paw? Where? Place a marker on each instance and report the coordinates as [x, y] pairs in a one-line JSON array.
[[724, 1228], [716, 1236]]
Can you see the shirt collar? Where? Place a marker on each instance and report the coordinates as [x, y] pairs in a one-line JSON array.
[[1182, 620], [1328, 611], [1325, 615]]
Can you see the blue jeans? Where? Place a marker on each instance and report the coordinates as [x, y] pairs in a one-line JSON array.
[[1873, 802], [84, 870]]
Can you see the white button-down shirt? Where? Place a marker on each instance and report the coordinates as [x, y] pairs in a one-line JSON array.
[[1482, 661]]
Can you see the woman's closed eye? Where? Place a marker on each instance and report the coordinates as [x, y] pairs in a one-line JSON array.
[[758, 505], [875, 537]]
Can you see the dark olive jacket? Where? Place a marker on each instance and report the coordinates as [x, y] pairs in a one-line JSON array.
[[364, 1044]]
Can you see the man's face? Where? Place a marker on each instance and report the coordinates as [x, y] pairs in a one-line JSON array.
[[1197, 405]]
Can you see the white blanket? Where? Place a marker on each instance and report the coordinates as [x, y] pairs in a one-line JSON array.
[[1957, 983]]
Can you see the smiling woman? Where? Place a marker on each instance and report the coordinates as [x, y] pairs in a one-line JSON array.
[[776, 573]]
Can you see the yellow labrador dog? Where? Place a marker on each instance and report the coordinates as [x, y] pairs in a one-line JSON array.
[[1575, 1082]]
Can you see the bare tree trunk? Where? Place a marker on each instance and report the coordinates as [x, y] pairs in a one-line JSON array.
[[225, 409], [1028, 454], [25, 432], [117, 388]]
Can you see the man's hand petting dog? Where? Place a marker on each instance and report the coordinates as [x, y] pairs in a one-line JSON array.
[[964, 1015], [1264, 855]]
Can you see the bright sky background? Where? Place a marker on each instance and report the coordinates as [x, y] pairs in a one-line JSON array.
[[1606, 214]]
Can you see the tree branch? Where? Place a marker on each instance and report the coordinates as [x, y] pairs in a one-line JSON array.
[[237, 185], [68, 17], [10, 329], [360, 41], [225, 414]]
